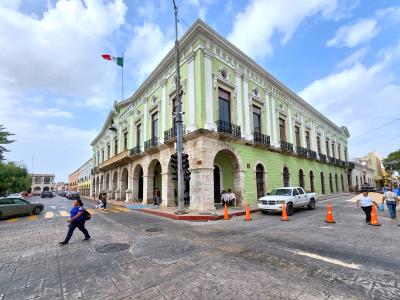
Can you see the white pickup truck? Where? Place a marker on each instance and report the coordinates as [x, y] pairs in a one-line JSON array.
[[293, 197]]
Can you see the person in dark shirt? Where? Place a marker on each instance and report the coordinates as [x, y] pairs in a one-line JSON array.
[[77, 220]]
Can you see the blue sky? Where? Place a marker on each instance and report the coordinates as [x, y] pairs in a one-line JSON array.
[[55, 90]]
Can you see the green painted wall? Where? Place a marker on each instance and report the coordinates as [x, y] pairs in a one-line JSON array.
[[226, 170]]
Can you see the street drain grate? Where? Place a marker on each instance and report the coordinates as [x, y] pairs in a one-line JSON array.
[[113, 247], [153, 229]]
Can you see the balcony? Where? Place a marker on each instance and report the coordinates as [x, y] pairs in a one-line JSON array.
[[287, 147], [93, 171], [342, 163], [322, 157], [262, 139], [170, 134], [115, 161], [312, 154], [135, 150], [229, 128], [302, 151], [153, 142], [350, 165]]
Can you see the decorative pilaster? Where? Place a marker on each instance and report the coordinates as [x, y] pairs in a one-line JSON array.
[[163, 108], [144, 129], [192, 104], [210, 125], [290, 126], [267, 113], [274, 123], [247, 128], [130, 132], [239, 105], [303, 133]]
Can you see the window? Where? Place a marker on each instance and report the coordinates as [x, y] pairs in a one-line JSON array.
[[322, 183], [337, 183], [330, 183], [257, 119], [102, 155], [295, 192], [339, 150], [5, 201], [282, 130], [19, 201], [308, 140], [173, 113], [154, 125], [301, 192], [38, 180], [297, 133], [327, 147], [260, 181], [98, 157], [126, 140], [312, 182], [139, 135], [301, 178], [333, 149], [115, 146], [108, 150], [285, 174], [345, 154], [224, 105], [319, 144], [46, 180]]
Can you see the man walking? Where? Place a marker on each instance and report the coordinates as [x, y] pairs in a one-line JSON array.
[[391, 202]]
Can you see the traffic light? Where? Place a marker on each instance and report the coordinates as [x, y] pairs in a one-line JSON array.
[[187, 175], [185, 167], [174, 166]]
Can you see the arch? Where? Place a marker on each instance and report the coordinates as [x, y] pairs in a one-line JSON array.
[[286, 176], [331, 183], [301, 178], [357, 187], [260, 180], [46, 189], [312, 187], [228, 165], [137, 184], [101, 184], [124, 183], [322, 183], [336, 183], [114, 185], [107, 182], [154, 171], [342, 182]]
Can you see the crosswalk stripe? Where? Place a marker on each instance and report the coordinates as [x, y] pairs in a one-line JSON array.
[[63, 213], [48, 215], [32, 218], [12, 220], [123, 209]]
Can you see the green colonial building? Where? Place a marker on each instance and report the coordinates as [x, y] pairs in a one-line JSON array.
[[244, 130]]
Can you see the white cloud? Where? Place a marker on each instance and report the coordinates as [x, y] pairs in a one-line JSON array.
[[255, 27], [352, 35], [391, 14], [362, 97], [353, 58]]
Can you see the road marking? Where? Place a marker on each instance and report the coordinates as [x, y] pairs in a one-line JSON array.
[[32, 218], [122, 209], [326, 227], [48, 215], [329, 260], [12, 220], [92, 212], [63, 213]]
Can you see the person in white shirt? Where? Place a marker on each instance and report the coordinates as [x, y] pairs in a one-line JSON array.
[[366, 205], [391, 202], [224, 198], [231, 197]]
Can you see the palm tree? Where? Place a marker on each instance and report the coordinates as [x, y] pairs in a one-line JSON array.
[[4, 140]]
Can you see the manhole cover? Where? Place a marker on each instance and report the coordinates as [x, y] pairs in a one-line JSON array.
[[153, 229], [111, 248]]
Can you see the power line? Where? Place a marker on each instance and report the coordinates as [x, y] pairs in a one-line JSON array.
[[376, 128]]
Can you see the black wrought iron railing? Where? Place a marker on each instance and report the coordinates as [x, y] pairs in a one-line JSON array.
[[332, 160], [171, 133], [260, 138], [342, 163], [285, 146], [301, 151], [135, 150], [312, 154], [153, 142], [227, 127], [350, 165], [94, 170], [322, 157]]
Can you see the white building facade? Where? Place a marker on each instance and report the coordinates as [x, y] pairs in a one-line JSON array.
[[362, 174], [42, 183]]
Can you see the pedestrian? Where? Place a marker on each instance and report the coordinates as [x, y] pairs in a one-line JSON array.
[[231, 197], [104, 200], [366, 204], [391, 202], [156, 197], [77, 220], [224, 198], [186, 198]]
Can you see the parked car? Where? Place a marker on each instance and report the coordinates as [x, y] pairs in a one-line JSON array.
[[293, 197], [62, 193], [15, 195], [72, 195], [367, 188], [10, 207], [46, 194]]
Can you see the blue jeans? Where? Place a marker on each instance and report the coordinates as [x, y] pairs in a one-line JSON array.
[[76, 224], [392, 208]]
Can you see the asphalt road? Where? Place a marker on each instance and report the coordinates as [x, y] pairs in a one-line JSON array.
[[165, 259]]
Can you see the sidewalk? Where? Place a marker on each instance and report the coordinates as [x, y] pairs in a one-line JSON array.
[[193, 215]]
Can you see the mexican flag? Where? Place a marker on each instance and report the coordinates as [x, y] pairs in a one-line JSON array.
[[118, 60]]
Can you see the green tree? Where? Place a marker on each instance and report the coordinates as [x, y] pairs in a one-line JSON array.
[[13, 178], [4, 135], [392, 162]]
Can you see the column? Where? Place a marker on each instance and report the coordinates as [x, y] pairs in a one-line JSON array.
[[274, 123], [144, 129], [239, 105], [192, 103], [323, 140], [267, 113], [147, 189], [130, 132], [313, 138], [290, 126], [202, 189], [210, 125], [248, 134], [163, 109], [303, 133], [167, 191]]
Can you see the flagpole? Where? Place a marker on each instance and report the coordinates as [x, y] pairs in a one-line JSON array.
[[122, 88]]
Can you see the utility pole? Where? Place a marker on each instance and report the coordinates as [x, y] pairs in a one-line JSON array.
[[178, 119]]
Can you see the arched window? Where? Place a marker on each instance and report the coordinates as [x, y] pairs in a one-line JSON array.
[[260, 182], [285, 174], [312, 181], [331, 182], [301, 178], [322, 183], [357, 182], [336, 183], [342, 181]]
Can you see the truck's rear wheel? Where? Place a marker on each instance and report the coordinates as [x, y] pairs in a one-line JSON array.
[[311, 205], [289, 209]]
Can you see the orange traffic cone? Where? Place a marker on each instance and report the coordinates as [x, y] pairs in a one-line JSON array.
[[329, 215], [284, 213], [247, 214], [374, 217], [226, 216]]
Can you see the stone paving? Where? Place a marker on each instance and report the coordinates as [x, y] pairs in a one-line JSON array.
[[213, 260]]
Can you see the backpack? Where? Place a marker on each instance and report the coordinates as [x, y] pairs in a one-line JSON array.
[[87, 215]]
